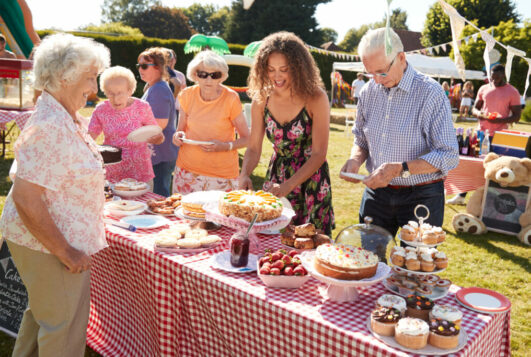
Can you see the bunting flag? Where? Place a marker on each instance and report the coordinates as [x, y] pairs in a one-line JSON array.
[[457, 23], [528, 74], [247, 4], [388, 45], [490, 42], [475, 37], [511, 52], [436, 49], [344, 56], [467, 39], [444, 47]]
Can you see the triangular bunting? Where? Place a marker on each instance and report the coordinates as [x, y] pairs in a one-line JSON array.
[[4, 262]]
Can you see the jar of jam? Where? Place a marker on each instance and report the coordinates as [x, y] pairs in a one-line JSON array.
[[239, 249]]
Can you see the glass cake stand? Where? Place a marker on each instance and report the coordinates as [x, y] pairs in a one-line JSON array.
[[343, 290]]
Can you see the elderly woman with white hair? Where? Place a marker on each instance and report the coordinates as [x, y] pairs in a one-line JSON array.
[[116, 118], [52, 218], [210, 115]]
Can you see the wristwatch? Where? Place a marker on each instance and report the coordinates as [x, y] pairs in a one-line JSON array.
[[405, 170]]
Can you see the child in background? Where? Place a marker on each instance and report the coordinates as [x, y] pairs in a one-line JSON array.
[[466, 102]]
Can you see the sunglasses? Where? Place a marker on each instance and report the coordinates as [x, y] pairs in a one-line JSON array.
[[205, 75], [144, 66]]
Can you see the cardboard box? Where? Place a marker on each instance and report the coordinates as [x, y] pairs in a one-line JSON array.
[[512, 143]]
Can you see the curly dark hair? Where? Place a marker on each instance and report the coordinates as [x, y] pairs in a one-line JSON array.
[[159, 57], [305, 77]]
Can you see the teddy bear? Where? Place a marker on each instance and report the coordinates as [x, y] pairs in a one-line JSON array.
[[507, 171]]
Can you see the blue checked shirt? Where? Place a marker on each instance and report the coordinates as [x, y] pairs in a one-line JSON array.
[[410, 121]]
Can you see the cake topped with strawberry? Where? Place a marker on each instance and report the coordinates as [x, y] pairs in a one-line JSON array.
[[346, 262]]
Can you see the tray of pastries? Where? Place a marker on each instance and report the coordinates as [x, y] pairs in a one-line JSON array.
[[182, 238], [166, 206], [405, 284], [302, 237], [417, 325], [423, 235], [419, 260]]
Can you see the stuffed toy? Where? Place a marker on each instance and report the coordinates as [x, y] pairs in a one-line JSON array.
[[507, 171]]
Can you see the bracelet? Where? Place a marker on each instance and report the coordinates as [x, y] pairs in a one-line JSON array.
[[230, 145]]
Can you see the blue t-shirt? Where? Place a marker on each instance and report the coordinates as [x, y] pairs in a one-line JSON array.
[[162, 103]]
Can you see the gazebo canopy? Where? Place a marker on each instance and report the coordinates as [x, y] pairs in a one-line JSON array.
[[441, 67]]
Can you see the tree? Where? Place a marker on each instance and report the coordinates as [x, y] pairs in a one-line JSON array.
[[507, 33], [207, 19], [268, 16], [353, 36], [487, 13], [115, 28], [162, 22], [119, 10], [328, 34]]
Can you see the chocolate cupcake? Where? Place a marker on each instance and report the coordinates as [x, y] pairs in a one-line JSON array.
[[418, 307]]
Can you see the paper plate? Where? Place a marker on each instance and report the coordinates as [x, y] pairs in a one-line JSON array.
[[146, 221], [483, 300], [353, 176], [222, 261], [196, 142], [112, 209], [142, 134]]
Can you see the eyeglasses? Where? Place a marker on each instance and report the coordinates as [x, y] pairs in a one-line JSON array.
[[205, 75], [383, 74], [144, 66]]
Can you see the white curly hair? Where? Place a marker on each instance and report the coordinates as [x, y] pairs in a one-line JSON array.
[[64, 57], [118, 72], [208, 59]]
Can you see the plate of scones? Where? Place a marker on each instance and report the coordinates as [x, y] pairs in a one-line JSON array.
[[303, 237]]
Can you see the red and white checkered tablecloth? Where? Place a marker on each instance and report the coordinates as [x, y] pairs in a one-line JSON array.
[[20, 118], [146, 303], [467, 176]]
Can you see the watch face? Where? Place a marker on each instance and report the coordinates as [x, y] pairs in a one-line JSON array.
[[406, 174]]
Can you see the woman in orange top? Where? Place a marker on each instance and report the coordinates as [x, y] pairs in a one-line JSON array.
[[209, 117]]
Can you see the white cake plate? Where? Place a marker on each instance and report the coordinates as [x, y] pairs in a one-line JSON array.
[[343, 290]]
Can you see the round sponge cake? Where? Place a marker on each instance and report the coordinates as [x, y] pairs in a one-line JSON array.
[[345, 262]]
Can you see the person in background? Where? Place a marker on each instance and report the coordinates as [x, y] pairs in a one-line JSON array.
[[466, 103], [499, 99], [405, 136], [210, 112], [153, 70], [53, 215], [446, 88], [116, 118], [357, 84], [3, 52], [455, 94], [177, 80], [291, 107]]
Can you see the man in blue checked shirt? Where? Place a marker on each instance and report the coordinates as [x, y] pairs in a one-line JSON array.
[[403, 134]]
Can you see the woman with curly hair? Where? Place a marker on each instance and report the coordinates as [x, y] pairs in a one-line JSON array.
[[291, 108]]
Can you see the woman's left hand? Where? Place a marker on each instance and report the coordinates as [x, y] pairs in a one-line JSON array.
[[279, 190], [156, 140], [217, 146]]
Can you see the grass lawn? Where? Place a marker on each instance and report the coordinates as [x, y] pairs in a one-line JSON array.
[[493, 261]]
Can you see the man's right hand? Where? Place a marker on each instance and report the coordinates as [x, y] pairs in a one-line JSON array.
[[351, 166]]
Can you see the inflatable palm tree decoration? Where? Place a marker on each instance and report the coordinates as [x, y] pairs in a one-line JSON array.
[[252, 48], [200, 42]]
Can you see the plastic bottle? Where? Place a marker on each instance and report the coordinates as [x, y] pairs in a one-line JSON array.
[[485, 145]]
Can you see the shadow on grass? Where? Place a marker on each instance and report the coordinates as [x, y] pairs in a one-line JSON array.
[[5, 181], [486, 241]]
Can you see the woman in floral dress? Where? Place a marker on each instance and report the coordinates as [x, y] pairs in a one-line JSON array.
[[291, 108]]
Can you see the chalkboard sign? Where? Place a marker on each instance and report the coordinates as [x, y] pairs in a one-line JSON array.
[[503, 206], [13, 294]]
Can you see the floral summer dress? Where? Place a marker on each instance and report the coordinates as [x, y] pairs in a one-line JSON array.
[[292, 147]]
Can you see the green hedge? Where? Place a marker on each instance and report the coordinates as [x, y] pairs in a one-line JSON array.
[[125, 51]]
